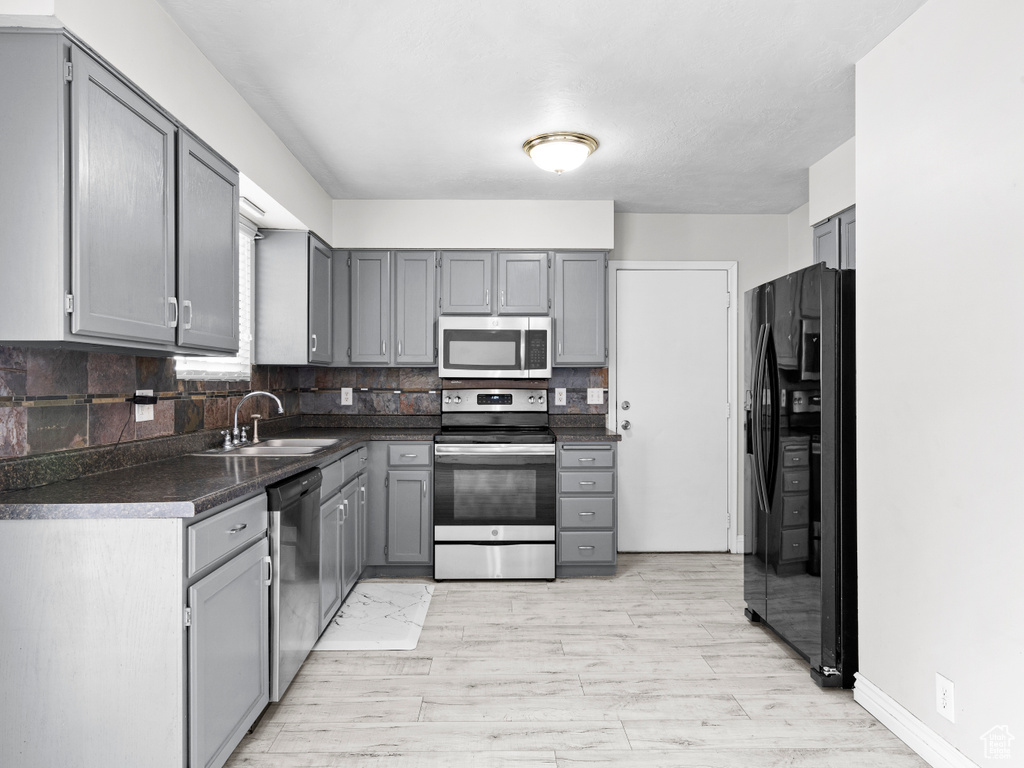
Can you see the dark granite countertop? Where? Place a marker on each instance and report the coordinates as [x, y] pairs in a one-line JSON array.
[[585, 435], [183, 486]]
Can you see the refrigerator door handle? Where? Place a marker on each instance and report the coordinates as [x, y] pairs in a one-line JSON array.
[[758, 415], [772, 371]]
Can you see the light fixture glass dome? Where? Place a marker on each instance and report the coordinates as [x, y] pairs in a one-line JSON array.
[[561, 151]]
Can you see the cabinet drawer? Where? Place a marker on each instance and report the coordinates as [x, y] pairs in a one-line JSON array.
[[793, 545], [585, 482], [586, 513], [586, 547], [334, 478], [592, 457], [232, 529], [354, 463], [409, 454], [796, 456], [796, 481], [796, 510]]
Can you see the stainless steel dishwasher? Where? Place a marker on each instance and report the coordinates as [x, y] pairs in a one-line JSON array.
[[295, 583]]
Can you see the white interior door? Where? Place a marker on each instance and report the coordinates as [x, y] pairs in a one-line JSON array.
[[671, 384]]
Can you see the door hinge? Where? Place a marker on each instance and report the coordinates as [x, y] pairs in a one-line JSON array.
[[549, 262], [348, 352], [728, 299], [549, 303], [69, 303], [348, 262], [728, 410], [188, 616], [386, 481], [385, 550], [69, 71], [437, 261]]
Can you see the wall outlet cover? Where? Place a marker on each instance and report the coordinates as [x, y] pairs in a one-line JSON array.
[[944, 697], [560, 396], [144, 412], [346, 395], [595, 396]]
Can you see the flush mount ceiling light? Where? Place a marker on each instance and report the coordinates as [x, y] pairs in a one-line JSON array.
[[560, 151]]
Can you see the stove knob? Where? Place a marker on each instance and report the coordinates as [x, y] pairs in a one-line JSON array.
[[458, 399], [494, 532], [540, 398], [448, 398], [530, 399]]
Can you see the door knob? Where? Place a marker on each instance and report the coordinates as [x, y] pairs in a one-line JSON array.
[[626, 425], [625, 405]]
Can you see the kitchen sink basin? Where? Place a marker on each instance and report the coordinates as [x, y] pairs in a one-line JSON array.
[[279, 447]]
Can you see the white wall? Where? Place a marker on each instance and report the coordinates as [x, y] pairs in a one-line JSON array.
[[473, 224], [140, 39], [940, 194], [801, 240], [759, 244], [832, 182]]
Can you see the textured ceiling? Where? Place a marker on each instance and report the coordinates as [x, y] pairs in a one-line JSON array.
[[700, 106]]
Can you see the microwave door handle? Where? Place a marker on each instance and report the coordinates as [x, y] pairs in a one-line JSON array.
[[522, 348]]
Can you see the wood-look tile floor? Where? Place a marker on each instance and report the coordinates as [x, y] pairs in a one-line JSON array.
[[655, 667]]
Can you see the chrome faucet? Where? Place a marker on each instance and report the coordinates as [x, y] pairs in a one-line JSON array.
[[234, 432]]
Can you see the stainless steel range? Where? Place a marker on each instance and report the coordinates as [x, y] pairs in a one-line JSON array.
[[494, 486]]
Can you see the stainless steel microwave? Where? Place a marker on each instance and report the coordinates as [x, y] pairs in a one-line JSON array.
[[473, 347]]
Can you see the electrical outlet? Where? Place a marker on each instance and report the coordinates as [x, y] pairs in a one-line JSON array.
[[560, 396], [944, 697], [346, 395], [595, 396], [144, 412]]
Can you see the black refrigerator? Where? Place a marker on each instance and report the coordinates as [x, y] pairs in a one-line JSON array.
[[800, 574]]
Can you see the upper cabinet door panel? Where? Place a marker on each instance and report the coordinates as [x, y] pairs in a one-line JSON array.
[[580, 309], [370, 279], [466, 282], [320, 318], [207, 248], [826, 243], [522, 283], [415, 307], [123, 210]]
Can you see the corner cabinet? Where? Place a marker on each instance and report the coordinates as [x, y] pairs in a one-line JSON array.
[[835, 240], [294, 293], [580, 308], [117, 225]]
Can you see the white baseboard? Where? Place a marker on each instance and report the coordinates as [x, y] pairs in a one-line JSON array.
[[938, 752]]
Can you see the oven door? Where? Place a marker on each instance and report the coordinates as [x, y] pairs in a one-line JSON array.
[[500, 492]]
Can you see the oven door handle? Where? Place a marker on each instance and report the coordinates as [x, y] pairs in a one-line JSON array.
[[494, 449]]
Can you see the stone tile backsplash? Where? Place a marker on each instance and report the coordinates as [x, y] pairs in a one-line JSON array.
[[58, 400]]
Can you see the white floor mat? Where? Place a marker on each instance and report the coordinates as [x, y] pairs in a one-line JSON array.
[[378, 616]]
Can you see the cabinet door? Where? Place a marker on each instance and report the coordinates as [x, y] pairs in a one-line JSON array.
[[228, 655], [415, 307], [362, 513], [826, 243], [848, 239], [580, 309], [122, 210], [350, 532], [409, 516], [207, 248], [466, 282], [331, 512], [320, 323], [370, 279], [522, 283], [341, 332]]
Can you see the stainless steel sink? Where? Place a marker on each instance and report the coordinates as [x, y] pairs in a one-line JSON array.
[[279, 447]]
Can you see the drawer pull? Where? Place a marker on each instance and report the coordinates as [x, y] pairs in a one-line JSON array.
[[796, 546], [410, 455], [588, 482], [586, 514], [238, 528], [586, 458], [583, 549]]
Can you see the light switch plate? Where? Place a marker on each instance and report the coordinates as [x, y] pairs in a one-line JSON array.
[[143, 412], [346, 395], [560, 396], [595, 396]]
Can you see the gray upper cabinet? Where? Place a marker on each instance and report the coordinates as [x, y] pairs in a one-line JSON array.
[[835, 241], [370, 278], [415, 303], [340, 315], [111, 215], [580, 315], [207, 248], [320, 309], [466, 282], [523, 283], [293, 311]]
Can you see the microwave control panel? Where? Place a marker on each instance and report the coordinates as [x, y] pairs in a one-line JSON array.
[[536, 350]]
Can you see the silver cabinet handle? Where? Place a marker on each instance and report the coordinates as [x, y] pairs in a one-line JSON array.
[[424, 488], [487, 296], [344, 505], [238, 529], [270, 571], [314, 343], [588, 482], [583, 549], [586, 458], [362, 492], [410, 455], [187, 305], [503, 298], [173, 303], [383, 347], [399, 348], [586, 514], [626, 425], [559, 348]]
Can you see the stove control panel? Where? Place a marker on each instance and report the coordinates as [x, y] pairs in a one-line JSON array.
[[493, 400]]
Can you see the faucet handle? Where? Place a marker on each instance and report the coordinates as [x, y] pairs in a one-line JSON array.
[[244, 437], [227, 439]]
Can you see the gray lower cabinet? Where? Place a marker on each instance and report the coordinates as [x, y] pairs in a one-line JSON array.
[[586, 528], [116, 225], [350, 534], [835, 240], [331, 512], [342, 515], [410, 516], [293, 306], [229, 655], [580, 308]]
